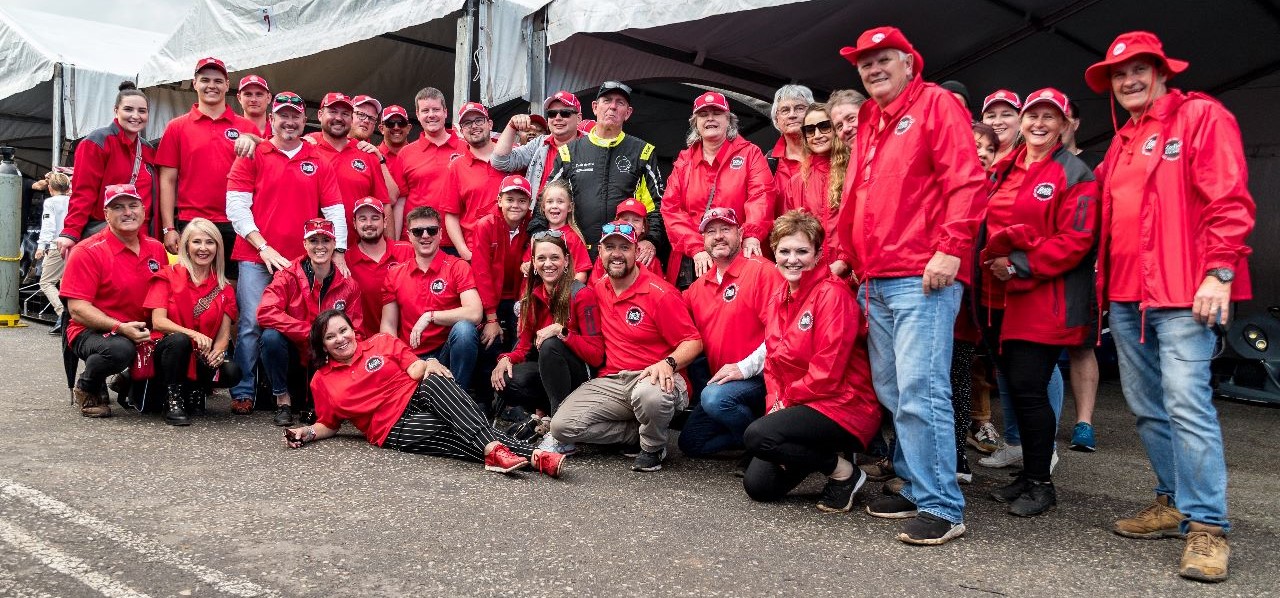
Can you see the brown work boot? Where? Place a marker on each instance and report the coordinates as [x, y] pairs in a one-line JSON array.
[[1206, 555], [1158, 520], [91, 404]]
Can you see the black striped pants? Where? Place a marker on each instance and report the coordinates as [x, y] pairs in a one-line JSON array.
[[442, 420]]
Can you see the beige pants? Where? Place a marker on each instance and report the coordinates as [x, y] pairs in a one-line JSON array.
[[619, 408], [50, 275]]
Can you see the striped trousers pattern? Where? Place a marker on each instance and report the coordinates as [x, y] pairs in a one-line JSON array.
[[442, 420]]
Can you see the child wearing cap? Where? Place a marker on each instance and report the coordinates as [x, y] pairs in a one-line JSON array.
[[632, 212], [500, 241]]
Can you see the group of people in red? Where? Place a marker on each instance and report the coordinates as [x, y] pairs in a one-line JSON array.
[[848, 272]]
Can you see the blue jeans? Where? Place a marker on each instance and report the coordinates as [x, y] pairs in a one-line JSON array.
[[278, 355], [910, 343], [249, 288], [1011, 435], [719, 420], [459, 352], [1165, 378]]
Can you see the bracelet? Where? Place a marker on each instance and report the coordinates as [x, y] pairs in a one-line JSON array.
[[431, 318], [311, 435], [263, 247], [114, 330]]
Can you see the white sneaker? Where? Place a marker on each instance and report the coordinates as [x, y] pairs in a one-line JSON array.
[[1053, 462], [1007, 456], [551, 445]]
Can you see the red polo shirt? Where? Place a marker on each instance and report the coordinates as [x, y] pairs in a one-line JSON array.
[[287, 192], [497, 267], [393, 163], [173, 291], [473, 192], [424, 168], [102, 271], [642, 324], [417, 292], [202, 149], [371, 392], [369, 275], [731, 313], [359, 175]]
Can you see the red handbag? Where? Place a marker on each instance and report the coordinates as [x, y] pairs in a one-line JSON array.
[[144, 364]]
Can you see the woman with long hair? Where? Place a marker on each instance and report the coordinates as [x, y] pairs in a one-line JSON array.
[[818, 187]]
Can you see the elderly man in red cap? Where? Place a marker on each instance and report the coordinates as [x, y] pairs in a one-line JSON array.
[[563, 114], [1175, 174], [913, 199]]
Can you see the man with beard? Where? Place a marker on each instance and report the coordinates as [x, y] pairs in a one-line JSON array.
[[424, 164], [255, 97], [270, 196], [648, 338], [371, 258], [473, 181], [535, 158], [359, 172]]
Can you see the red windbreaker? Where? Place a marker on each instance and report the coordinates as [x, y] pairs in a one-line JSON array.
[[291, 302], [1196, 207], [816, 351], [496, 260], [584, 337], [1050, 298], [810, 193], [914, 185], [106, 157]]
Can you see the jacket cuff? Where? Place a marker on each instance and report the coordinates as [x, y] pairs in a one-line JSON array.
[[1021, 263]]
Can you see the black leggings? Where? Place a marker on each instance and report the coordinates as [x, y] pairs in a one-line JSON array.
[[790, 444], [1027, 367], [441, 419], [103, 357], [962, 354], [172, 356], [546, 380]]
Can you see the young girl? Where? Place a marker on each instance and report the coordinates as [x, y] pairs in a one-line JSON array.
[[557, 206]]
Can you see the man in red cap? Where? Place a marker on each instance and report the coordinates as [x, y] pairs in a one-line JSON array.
[[1176, 211], [563, 114], [366, 115], [371, 258], [194, 157], [473, 181], [502, 240], [424, 164], [360, 173], [634, 213], [254, 96], [270, 196], [292, 301], [649, 338], [914, 197]]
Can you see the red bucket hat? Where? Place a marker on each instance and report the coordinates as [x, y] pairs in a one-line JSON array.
[[1126, 46], [879, 38]]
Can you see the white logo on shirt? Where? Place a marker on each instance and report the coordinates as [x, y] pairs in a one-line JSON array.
[[373, 364], [437, 286], [737, 162], [153, 266], [1172, 149], [731, 292], [1044, 191], [623, 163], [806, 321], [634, 316], [1149, 145], [903, 125], [340, 305], [231, 134], [358, 164], [307, 168]]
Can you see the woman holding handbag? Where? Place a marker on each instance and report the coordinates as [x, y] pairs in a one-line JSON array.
[[194, 306]]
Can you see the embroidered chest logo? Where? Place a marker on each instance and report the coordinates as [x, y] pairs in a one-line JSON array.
[[308, 168], [453, 157], [1044, 191], [358, 165], [231, 134], [373, 364], [731, 292], [623, 164], [634, 316], [737, 162], [806, 321], [903, 125], [340, 305], [437, 286], [1172, 149], [1149, 145], [153, 266]]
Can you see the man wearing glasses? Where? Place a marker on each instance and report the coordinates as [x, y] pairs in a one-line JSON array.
[[359, 172], [473, 181], [563, 112], [431, 302]]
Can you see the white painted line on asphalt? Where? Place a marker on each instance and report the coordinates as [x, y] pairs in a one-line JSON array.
[[150, 550], [64, 563]]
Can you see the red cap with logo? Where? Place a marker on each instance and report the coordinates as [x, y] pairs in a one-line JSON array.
[[317, 226], [1001, 95], [1126, 46], [515, 182], [1047, 95], [711, 99], [539, 120], [368, 202], [631, 205], [113, 192], [364, 99], [335, 97], [586, 126], [286, 100], [618, 228], [394, 110], [211, 62], [879, 38], [565, 98], [470, 107], [726, 215], [248, 80]]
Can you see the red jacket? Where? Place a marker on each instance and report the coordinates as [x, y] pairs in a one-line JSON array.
[[811, 194], [914, 185], [584, 337], [291, 301], [106, 157], [496, 260], [817, 354], [1049, 300], [1196, 208], [739, 179]]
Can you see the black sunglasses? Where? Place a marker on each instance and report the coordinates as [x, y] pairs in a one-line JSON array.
[[822, 127], [429, 231], [396, 124], [562, 113]]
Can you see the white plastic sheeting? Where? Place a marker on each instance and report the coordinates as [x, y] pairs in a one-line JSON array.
[[504, 48]]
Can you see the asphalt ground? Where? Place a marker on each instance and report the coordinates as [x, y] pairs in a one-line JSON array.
[[129, 506]]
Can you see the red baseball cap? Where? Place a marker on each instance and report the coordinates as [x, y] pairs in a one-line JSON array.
[[563, 97], [248, 80], [879, 38], [515, 182], [1001, 95], [204, 63], [541, 120], [317, 226], [618, 228], [631, 206], [364, 99], [711, 99], [726, 215], [113, 192], [394, 110], [288, 99], [1126, 46], [472, 107], [586, 126], [368, 202], [335, 97], [1047, 95]]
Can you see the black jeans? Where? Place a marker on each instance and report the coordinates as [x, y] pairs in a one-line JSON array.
[[1027, 367], [173, 353], [790, 444], [102, 356], [962, 354], [546, 379]]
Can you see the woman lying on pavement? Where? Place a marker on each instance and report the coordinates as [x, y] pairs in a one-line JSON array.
[[402, 402]]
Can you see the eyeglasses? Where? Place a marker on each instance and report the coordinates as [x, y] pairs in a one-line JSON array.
[[288, 98], [823, 127], [611, 228], [562, 113], [429, 231], [547, 233], [365, 117], [397, 124], [473, 123]]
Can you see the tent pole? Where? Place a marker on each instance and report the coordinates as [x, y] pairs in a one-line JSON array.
[[56, 143], [536, 33], [464, 55]]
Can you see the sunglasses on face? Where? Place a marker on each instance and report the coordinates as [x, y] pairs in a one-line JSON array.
[[286, 98], [547, 233], [625, 229], [429, 231], [822, 127], [396, 124], [562, 113]]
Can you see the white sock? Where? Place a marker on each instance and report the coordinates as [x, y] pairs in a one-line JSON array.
[[844, 470]]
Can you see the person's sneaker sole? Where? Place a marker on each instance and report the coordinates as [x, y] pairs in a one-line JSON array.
[[1156, 535], [516, 467], [953, 533], [1083, 448], [903, 513], [862, 479], [1195, 574]]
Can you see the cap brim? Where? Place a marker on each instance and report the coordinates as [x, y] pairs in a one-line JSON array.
[[852, 53], [619, 235], [320, 232], [702, 228], [515, 188], [372, 206], [1027, 106]]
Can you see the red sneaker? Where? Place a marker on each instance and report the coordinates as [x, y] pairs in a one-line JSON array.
[[548, 462], [242, 406], [502, 460]]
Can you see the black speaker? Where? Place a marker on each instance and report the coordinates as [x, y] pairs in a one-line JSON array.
[[1249, 368]]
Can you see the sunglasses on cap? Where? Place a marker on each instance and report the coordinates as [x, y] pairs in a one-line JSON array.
[[546, 234], [822, 127], [429, 231], [562, 113], [396, 124], [288, 98], [611, 228]]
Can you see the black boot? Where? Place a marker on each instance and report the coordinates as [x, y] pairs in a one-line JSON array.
[[1039, 498], [176, 415], [195, 398], [1010, 493]]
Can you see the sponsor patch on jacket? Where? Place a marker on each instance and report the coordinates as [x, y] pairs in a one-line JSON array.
[[454, 156], [806, 321], [1172, 149], [231, 134], [635, 315], [153, 266], [374, 363], [904, 124], [340, 305], [737, 162], [1149, 145], [623, 164], [308, 168], [730, 292], [358, 165], [437, 286], [1044, 191]]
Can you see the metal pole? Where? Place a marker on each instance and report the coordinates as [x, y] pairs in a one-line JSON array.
[[464, 55], [56, 142], [10, 237]]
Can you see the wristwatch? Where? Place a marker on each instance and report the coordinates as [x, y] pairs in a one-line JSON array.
[[164, 230], [671, 361], [1224, 275]]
